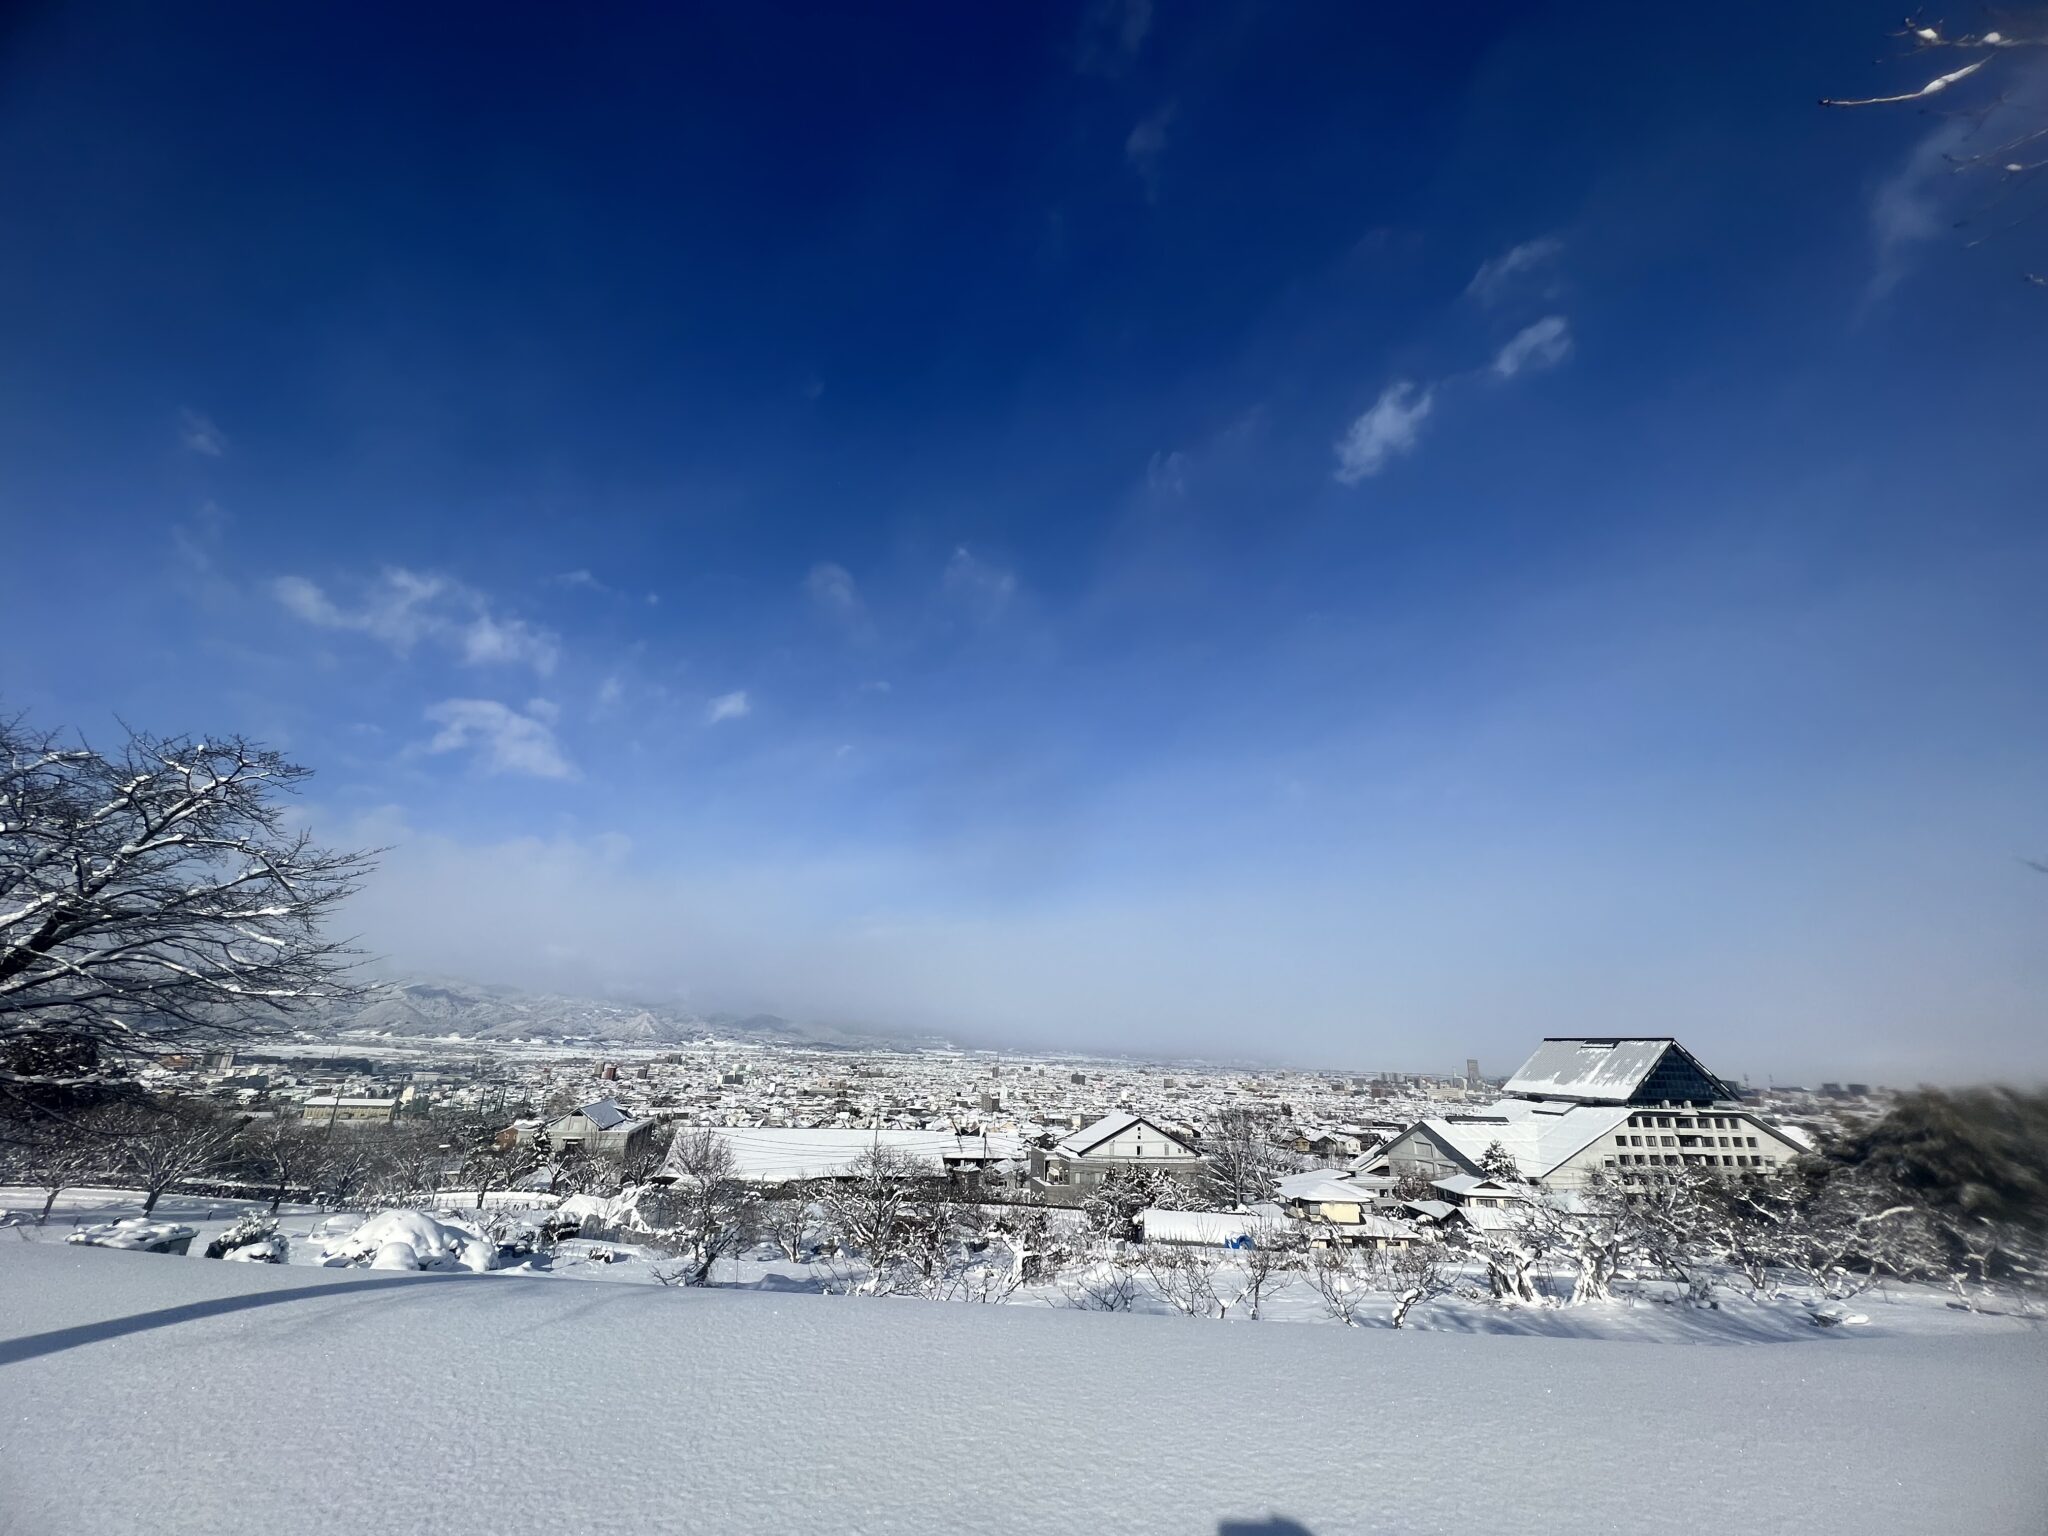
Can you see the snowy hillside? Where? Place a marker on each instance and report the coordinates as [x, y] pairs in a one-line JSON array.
[[440, 1007], [151, 1393]]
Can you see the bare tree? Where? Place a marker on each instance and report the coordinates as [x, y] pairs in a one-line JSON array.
[[347, 1163], [1342, 1280], [934, 1225], [1244, 1165], [1510, 1256], [1273, 1262], [161, 1148], [1107, 1283], [54, 1155], [1112, 1207], [153, 897], [868, 1211], [487, 1164], [578, 1172], [1183, 1278], [282, 1152], [1597, 1227], [1415, 1274], [705, 1209], [792, 1221], [1998, 116], [412, 1166]]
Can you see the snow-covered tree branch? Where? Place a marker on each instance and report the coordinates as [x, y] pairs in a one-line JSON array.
[[154, 896]]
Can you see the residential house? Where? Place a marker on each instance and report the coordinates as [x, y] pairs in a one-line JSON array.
[[1074, 1166], [601, 1129]]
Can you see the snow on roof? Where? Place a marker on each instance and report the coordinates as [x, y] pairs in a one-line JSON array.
[[328, 1101], [1467, 1183], [1537, 1137], [1589, 1068], [604, 1114], [1319, 1186], [778, 1155], [1082, 1141], [1213, 1227]]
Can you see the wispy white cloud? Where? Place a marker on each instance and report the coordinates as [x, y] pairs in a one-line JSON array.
[[1146, 147], [199, 435], [1166, 476], [583, 580], [1914, 204], [1112, 32], [502, 739], [1497, 277], [403, 608], [834, 591], [1388, 429], [982, 589], [729, 706], [1543, 345]]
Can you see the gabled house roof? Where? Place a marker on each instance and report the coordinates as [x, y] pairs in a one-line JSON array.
[[1472, 1184], [1538, 1136], [604, 1114], [1109, 1126]]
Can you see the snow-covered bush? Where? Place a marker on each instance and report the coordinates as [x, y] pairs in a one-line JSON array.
[[138, 1235], [413, 1240], [253, 1239]]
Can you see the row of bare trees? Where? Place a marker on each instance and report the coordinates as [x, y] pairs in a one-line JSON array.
[[155, 1147]]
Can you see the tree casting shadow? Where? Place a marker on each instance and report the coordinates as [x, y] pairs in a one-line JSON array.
[[32, 1345]]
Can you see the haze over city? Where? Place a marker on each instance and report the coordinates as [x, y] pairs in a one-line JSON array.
[[1324, 534]]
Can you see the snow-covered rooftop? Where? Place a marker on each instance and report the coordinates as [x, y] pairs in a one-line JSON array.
[[777, 1155], [1613, 1069], [1537, 1136], [605, 1114]]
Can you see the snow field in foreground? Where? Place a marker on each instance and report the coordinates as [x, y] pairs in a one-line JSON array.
[[164, 1393]]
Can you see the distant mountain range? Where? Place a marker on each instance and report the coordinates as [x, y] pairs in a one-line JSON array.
[[438, 1007]]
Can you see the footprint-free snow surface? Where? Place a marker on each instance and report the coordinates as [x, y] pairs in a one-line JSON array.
[[144, 1393]]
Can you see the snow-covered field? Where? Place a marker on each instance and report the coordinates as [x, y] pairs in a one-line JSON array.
[[148, 1393]]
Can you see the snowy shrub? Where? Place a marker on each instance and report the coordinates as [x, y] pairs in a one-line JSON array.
[[138, 1235], [413, 1240], [252, 1239]]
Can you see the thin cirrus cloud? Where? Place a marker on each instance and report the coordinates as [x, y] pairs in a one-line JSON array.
[[404, 609], [1543, 345], [1112, 32], [1145, 147], [1389, 428], [980, 589], [1503, 274], [729, 706], [199, 435], [500, 738], [833, 590]]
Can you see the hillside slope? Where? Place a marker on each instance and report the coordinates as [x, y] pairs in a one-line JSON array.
[[444, 1007], [146, 1393]]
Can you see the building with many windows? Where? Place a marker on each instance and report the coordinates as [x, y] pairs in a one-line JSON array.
[[1633, 1108]]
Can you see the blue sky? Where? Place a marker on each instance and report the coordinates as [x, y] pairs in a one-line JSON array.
[[1322, 532]]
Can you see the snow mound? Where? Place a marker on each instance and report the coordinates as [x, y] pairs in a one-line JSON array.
[[138, 1234], [413, 1240]]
